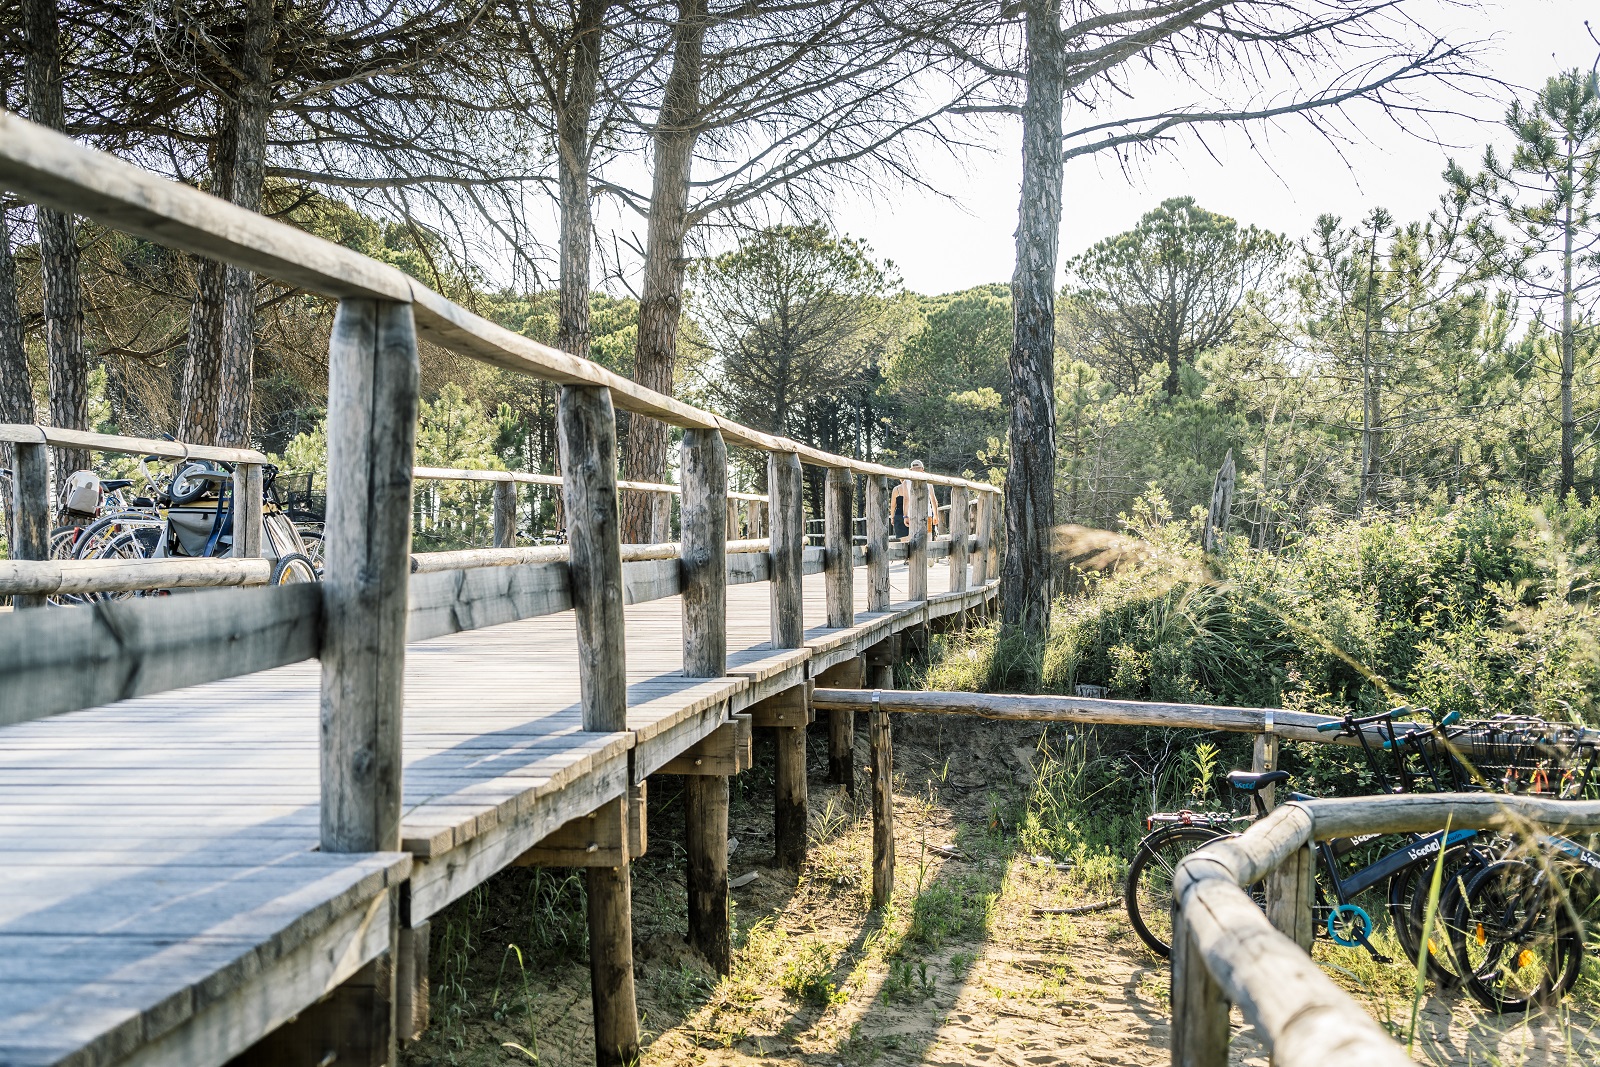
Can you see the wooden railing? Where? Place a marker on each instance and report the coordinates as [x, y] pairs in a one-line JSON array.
[[1226, 951], [357, 621]]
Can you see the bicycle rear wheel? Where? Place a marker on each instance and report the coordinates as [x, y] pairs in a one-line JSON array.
[[1514, 942], [1148, 892]]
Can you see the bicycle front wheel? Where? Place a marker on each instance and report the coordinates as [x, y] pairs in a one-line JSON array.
[[1148, 891]]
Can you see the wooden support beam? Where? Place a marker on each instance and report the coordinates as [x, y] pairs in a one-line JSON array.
[[613, 835], [788, 543], [881, 768], [411, 982], [247, 507], [851, 674], [960, 537], [505, 514], [704, 462], [661, 518], [372, 417], [1199, 1009], [727, 751], [917, 542], [588, 429], [877, 543], [838, 544], [30, 511], [353, 1026], [790, 708], [706, 838]]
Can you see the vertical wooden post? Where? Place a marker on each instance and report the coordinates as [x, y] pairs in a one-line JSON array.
[[411, 982], [877, 543], [1264, 757], [1199, 1012], [996, 524], [247, 505], [980, 562], [839, 577], [588, 432], [917, 542], [1291, 897], [757, 520], [705, 655], [959, 536], [791, 802], [505, 514], [30, 511], [788, 540], [882, 770], [372, 417], [732, 507]]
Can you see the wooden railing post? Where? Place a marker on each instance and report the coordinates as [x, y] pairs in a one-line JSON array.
[[505, 514], [1291, 897], [959, 536], [1264, 757], [996, 521], [705, 655], [839, 576], [588, 432], [30, 511], [1199, 1010], [917, 542], [372, 416], [247, 502], [980, 562], [877, 543], [880, 667], [791, 801]]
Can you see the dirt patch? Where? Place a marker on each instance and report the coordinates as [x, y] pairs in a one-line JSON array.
[[969, 965]]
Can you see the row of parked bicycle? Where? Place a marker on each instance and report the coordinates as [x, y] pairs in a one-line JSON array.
[[185, 512], [1510, 919]]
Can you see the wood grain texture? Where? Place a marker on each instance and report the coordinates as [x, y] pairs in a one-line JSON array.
[[959, 535], [616, 1013], [704, 464], [1199, 1010], [1291, 897], [917, 543], [247, 507], [985, 532], [75, 576], [81, 657], [881, 766], [839, 492], [788, 543], [589, 489], [706, 868], [87, 440], [30, 510], [373, 376], [878, 518]]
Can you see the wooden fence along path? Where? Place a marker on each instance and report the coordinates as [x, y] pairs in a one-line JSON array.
[[213, 848]]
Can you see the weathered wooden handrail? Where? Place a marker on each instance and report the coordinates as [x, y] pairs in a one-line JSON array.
[[1226, 951], [27, 434], [76, 577], [535, 478], [52, 169]]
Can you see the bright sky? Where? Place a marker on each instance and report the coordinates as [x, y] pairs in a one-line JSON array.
[[941, 246]]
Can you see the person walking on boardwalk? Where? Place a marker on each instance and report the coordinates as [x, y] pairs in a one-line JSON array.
[[900, 506]]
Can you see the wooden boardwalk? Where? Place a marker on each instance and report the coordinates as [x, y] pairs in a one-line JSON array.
[[161, 896]]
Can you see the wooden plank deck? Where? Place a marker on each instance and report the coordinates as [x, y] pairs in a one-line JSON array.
[[161, 896]]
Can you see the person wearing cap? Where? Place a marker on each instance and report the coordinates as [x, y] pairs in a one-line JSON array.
[[900, 506]]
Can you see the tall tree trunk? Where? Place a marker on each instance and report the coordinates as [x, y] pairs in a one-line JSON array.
[[219, 380], [16, 384], [572, 144], [1569, 474], [1371, 410], [661, 300], [1030, 478], [58, 246]]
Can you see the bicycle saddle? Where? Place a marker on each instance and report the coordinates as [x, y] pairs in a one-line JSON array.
[[1250, 781], [115, 483]]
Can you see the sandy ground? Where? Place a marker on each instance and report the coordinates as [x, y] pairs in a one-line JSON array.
[[965, 968]]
